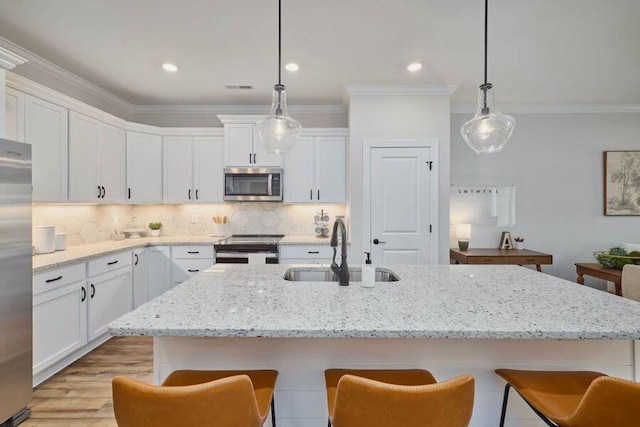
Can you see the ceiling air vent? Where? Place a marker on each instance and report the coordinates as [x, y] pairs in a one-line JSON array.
[[239, 87]]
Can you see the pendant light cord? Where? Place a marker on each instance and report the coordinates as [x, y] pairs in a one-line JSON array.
[[486, 26], [280, 42]]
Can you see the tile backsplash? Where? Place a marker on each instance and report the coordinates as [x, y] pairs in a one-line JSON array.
[[94, 223]]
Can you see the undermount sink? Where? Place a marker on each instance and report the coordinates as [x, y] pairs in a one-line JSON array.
[[324, 274]]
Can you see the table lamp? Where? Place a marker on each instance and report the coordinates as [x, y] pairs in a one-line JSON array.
[[463, 234]]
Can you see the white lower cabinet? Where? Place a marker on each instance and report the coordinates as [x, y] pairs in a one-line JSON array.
[[59, 324], [111, 296], [189, 260], [306, 254], [158, 270], [140, 277]]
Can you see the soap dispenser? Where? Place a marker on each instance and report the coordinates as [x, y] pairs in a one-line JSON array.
[[368, 273]]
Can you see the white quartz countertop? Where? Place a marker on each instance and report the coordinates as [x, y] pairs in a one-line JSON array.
[[447, 301], [90, 251], [305, 240]]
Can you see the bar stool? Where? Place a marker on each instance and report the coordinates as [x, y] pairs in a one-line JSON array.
[[388, 398], [575, 398], [197, 398]]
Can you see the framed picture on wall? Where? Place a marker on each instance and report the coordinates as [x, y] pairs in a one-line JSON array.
[[621, 183]]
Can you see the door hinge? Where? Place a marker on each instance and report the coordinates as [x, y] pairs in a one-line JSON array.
[[430, 165], [430, 228]]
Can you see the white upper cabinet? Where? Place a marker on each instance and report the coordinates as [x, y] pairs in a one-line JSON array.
[[96, 160], [14, 119], [315, 171], [242, 147], [144, 167], [193, 170], [46, 129]]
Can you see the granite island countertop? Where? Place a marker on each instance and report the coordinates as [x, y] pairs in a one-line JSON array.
[[445, 301]]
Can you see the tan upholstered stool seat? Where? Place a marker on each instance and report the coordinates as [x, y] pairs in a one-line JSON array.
[[576, 398], [264, 382], [398, 377]]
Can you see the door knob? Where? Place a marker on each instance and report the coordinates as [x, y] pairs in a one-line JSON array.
[[377, 242]]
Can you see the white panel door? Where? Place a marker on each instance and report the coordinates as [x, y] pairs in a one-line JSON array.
[[400, 205], [84, 133], [159, 268], [238, 145], [178, 169], [110, 296], [59, 324], [140, 277], [260, 156], [298, 173], [112, 164], [14, 119], [144, 167], [208, 169], [331, 169], [46, 129]]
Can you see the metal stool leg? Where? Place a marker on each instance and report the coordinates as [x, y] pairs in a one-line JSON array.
[[504, 404], [273, 412], [329, 423]]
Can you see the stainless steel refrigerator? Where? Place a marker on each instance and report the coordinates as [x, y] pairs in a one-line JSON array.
[[15, 281]]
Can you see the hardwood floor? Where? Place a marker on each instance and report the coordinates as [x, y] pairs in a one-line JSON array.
[[80, 395]]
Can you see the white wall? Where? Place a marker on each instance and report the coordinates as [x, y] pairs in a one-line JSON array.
[[3, 104], [386, 117], [556, 163]]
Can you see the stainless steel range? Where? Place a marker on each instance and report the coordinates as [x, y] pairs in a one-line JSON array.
[[248, 249]]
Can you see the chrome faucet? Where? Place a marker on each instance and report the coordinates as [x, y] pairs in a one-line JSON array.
[[343, 270]]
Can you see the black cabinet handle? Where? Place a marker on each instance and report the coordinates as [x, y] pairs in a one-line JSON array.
[[193, 252], [193, 271], [311, 194], [197, 198], [104, 192], [84, 294], [376, 241], [249, 158], [137, 259], [53, 280], [318, 194], [93, 291], [254, 158], [112, 262], [313, 252], [189, 194], [99, 192], [129, 193]]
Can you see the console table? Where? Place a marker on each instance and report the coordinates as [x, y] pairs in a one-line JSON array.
[[501, 256], [596, 270]]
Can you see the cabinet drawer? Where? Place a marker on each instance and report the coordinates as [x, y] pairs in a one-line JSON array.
[[530, 260], [109, 263], [192, 252], [306, 251], [59, 277], [184, 269], [488, 260]]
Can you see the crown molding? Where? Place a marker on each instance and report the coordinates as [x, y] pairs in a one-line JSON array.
[[235, 109], [324, 132], [9, 60], [238, 118], [66, 76], [400, 90], [554, 109]]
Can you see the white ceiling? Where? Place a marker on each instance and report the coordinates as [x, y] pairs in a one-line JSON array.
[[540, 51]]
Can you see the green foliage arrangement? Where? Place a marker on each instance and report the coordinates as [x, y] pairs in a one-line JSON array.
[[616, 258], [155, 225]]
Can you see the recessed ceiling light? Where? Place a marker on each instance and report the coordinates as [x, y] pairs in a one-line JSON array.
[[293, 67], [172, 68], [413, 67]]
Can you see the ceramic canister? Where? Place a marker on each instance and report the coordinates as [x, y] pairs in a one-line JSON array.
[[61, 241], [44, 239]]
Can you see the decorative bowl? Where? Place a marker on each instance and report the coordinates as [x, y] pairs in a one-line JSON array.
[[616, 262]]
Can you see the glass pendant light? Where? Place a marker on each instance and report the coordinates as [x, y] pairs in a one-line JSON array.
[[277, 131], [489, 130]]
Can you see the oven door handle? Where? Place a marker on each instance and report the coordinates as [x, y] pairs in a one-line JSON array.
[[270, 185], [244, 254]]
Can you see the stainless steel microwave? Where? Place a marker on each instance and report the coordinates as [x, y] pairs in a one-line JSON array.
[[253, 184]]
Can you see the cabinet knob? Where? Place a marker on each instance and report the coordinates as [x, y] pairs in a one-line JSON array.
[[378, 242]]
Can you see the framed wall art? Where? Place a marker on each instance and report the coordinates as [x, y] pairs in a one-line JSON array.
[[621, 183]]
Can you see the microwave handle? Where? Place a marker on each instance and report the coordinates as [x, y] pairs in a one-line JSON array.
[[270, 185]]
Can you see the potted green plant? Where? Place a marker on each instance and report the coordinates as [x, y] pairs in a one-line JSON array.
[[519, 242], [155, 228]]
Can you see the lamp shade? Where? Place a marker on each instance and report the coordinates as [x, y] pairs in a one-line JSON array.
[[277, 131], [463, 231], [489, 130]]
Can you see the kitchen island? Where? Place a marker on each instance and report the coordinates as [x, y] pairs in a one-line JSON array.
[[448, 319]]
